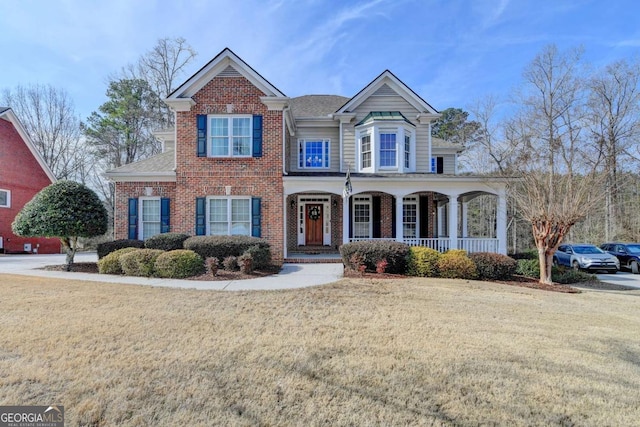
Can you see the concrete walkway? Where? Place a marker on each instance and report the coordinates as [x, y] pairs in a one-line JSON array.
[[291, 276]]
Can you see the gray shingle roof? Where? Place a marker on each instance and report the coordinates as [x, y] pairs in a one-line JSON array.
[[163, 162], [316, 105]]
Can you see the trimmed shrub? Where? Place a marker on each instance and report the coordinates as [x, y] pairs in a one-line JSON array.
[[528, 268], [530, 254], [222, 247], [492, 266], [106, 248], [230, 263], [245, 262], [166, 241], [455, 264], [373, 251], [140, 262], [179, 264], [261, 256], [110, 264], [569, 276], [423, 261], [211, 265]]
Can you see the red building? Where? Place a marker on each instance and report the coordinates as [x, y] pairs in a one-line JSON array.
[[23, 173]]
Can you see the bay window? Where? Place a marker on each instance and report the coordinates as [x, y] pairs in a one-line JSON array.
[[385, 143]]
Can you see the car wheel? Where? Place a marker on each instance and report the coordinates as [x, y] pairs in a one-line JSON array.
[[575, 265], [634, 267]]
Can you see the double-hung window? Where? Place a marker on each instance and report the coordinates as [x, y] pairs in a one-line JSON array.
[[229, 216], [362, 225], [365, 151], [5, 199], [230, 136], [150, 217], [407, 150], [388, 150], [313, 153], [410, 217]]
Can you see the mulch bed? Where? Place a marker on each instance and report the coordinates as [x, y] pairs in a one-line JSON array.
[[222, 275]]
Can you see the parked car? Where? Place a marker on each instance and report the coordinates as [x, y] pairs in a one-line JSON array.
[[586, 257], [627, 253]]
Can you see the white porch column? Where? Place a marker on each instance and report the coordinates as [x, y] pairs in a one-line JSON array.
[[465, 210], [501, 222], [439, 226], [399, 218], [345, 219], [453, 220]]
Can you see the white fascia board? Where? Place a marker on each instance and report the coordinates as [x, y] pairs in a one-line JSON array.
[[141, 177], [275, 102], [180, 104]]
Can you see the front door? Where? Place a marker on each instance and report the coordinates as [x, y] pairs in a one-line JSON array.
[[313, 225]]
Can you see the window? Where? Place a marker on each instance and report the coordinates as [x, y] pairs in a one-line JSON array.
[[5, 199], [229, 216], [437, 165], [150, 215], [230, 136], [388, 150], [407, 151], [410, 217], [365, 150], [313, 153], [362, 217]]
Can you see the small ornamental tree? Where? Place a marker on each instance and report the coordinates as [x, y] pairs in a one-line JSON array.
[[67, 210]]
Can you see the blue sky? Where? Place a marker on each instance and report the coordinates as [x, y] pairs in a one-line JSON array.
[[450, 52]]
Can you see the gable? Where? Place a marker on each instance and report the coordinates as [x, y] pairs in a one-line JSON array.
[[226, 64], [388, 85]]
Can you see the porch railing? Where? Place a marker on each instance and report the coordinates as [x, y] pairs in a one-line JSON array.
[[443, 244]]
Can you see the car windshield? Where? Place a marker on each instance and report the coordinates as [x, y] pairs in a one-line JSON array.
[[587, 250], [633, 249]]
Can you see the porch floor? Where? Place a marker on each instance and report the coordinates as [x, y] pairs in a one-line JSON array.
[[313, 255]]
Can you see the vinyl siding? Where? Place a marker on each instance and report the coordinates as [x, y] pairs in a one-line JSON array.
[[309, 133], [389, 103]]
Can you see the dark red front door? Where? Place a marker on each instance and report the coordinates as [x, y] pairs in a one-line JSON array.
[[313, 225]]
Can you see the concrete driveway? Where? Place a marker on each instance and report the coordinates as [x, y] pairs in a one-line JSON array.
[[623, 278]]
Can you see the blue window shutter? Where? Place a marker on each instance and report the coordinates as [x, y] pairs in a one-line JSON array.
[[165, 215], [257, 136], [433, 165], [133, 218], [256, 216], [202, 135], [201, 212]]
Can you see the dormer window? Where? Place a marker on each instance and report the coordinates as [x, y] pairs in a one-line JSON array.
[[385, 143]]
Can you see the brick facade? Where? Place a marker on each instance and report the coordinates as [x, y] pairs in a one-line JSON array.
[[22, 175]]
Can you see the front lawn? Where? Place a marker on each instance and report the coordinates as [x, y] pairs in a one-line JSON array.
[[359, 352]]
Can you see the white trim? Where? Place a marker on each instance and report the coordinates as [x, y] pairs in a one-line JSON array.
[[141, 201], [8, 204], [326, 148], [141, 176], [362, 200], [229, 213], [411, 200], [230, 135]]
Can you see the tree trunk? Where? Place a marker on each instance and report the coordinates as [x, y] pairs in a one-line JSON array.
[[70, 245], [545, 260]]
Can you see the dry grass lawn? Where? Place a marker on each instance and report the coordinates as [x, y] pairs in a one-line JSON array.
[[359, 352]]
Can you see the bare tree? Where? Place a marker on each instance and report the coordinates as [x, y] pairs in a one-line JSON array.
[[614, 107], [560, 183], [49, 117], [161, 67]]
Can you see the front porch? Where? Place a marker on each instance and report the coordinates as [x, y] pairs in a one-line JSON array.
[[428, 212]]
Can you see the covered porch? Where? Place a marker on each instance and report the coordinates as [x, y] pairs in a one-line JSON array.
[[417, 209]]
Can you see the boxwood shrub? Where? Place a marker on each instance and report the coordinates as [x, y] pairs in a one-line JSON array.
[[222, 247], [423, 261], [179, 264], [492, 266], [372, 251], [106, 248], [140, 262], [563, 275], [455, 264], [110, 264], [166, 241]]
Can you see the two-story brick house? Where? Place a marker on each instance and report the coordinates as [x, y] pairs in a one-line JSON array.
[[23, 173], [245, 159]]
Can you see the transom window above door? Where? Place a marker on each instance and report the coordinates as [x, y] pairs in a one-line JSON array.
[[313, 153]]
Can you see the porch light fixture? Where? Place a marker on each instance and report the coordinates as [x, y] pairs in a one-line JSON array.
[[334, 203], [293, 203]]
